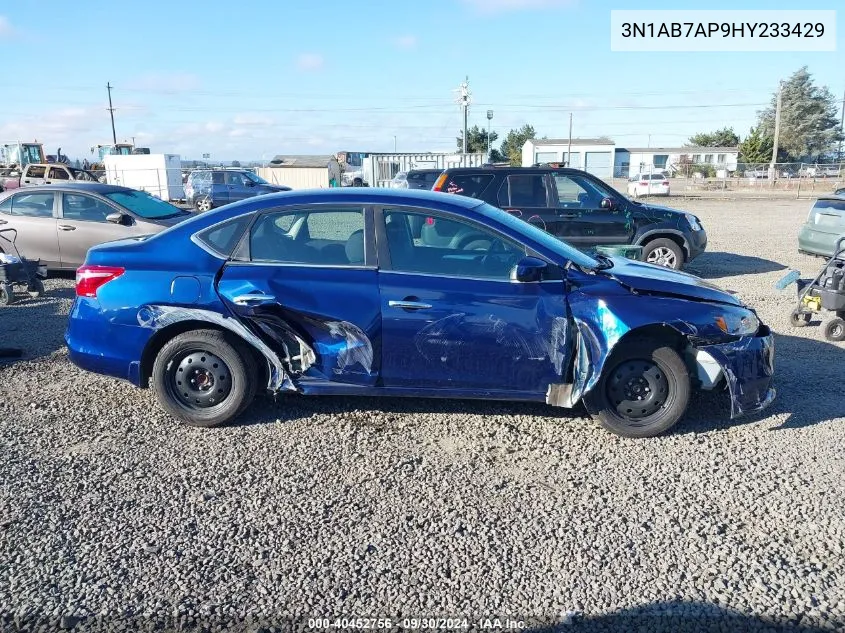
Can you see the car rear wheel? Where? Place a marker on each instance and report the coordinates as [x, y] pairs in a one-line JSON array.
[[203, 204], [664, 252], [204, 377], [643, 392]]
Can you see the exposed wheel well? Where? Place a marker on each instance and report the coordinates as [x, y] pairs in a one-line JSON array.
[[158, 340], [664, 334]]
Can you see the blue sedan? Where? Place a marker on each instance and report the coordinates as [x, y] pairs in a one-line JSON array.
[[406, 293]]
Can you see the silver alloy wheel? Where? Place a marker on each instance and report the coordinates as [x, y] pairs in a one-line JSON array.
[[203, 205], [662, 256]]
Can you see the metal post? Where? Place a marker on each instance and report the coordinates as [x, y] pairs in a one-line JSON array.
[[777, 135], [394, 143], [841, 131], [569, 147], [489, 122], [111, 112], [465, 103]]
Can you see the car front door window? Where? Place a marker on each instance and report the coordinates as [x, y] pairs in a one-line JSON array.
[[448, 247], [84, 208]]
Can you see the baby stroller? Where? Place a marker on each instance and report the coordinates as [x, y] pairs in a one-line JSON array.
[[15, 270], [825, 292]]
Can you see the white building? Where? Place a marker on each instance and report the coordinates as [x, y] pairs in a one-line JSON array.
[[595, 155], [635, 160]]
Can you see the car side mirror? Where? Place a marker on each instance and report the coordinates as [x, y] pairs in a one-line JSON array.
[[608, 203], [119, 218], [249, 183], [529, 269]]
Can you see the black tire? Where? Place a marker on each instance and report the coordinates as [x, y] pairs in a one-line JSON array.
[[225, 370], [7, 294], [35, 288], [203, 204], [656, 376], [799, 319], [834, 330], [664, 252]]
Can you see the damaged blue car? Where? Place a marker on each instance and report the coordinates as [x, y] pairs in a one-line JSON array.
[[357, 292]]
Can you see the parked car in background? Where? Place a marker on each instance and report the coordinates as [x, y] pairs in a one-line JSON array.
[[35, 174], [582, 209], [59, 223], [416, 179], [839, 192], [648, 185], [824, 227], [209, 188], [10, 178], [344, 291], [822, 171]]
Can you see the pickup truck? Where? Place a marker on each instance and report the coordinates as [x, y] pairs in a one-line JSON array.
[[36, 174]]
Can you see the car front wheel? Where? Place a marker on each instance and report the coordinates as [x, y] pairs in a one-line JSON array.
[[664, 252], [644, 390], [204, 377]]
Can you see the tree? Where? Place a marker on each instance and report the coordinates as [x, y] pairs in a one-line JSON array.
[[512, 145], [476, 140], [726, 137], [757, 147], [236, 163], [809, 122]]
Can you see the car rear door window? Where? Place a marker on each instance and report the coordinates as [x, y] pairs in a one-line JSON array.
[[84, 208], [34, 205], [470, 185], [324, 237], [6, 206], [217, 178], [524, 190]]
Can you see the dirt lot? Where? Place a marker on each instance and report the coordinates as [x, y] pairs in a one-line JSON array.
[[111, 515]]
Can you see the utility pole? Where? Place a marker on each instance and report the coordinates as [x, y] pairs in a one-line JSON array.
[[489, 122], [394, 143], [841, 130], [111, 112], [777, 135], [569, 148], [463, 100]]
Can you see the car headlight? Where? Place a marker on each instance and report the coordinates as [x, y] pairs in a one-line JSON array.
[[693, 222], [738, 325]]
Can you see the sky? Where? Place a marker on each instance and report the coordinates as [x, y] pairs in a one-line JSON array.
[[249, 81]]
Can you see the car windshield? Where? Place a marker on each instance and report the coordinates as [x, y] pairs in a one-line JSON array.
[[538, 235], [144, 205], [258, 180]]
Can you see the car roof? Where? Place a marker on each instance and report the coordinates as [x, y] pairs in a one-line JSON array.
[[91, 187], [492, 169]]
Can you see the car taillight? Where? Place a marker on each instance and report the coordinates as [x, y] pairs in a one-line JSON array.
[[438, 184], [644, 183], [89, 279]]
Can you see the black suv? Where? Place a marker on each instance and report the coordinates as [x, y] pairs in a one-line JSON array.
[[582, 210]]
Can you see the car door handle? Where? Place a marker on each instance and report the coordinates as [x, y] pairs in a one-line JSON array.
[[66, 227], [568, 215], [409, 305], [253, 299], [3, 222]]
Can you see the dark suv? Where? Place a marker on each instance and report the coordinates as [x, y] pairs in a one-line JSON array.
[[582, 210]]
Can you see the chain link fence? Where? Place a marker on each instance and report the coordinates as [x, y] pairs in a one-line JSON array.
[[745, 180]]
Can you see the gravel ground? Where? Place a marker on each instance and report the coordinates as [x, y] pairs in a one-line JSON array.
[[112, 516]]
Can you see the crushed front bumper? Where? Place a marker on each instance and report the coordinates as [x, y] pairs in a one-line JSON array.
[[747, 365]]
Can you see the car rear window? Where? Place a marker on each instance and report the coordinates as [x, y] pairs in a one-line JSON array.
[[223, 238], [833, 205], [470, 185]]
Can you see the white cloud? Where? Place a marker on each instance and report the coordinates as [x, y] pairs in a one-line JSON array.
[[6, 29], [406, 42], [165, 82], [248, 119], [502, 6], [310, 61]]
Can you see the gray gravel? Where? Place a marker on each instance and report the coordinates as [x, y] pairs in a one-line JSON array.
[[112, 516]]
